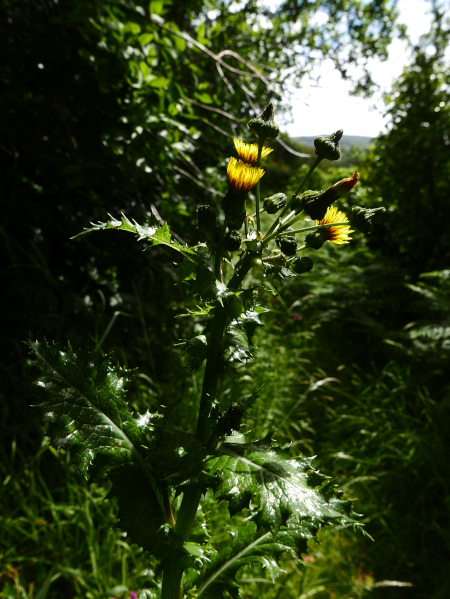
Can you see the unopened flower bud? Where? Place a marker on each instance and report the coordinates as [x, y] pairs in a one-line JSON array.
[[288, 245], [327, 146], [232, 241], [315, 240], [264, 125], [206, 219], [302, 265], [364, 219], [316, 203], [235, 215], [275, 203], [216, 232], [258, 263]]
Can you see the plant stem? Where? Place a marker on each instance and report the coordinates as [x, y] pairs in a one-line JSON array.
[[218, 257], [258, 187], [171, 582], [281, 233], [205, 426], [189, 505], [210, 377], [286, 208], [286, 226], [241, 270]]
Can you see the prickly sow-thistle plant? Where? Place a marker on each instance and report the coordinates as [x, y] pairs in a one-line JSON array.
[[277, 502]]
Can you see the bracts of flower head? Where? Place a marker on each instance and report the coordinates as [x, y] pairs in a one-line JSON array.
[[206, 219], [264, 125], [275, 203], [242, 177], [316, 203], [365, 219], [338, 234], [327, 146]]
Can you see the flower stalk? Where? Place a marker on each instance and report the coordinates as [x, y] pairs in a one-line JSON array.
[[294, 195], [258, 186]]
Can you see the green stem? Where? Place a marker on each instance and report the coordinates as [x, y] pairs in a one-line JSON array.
[[171, 582], [218, 257], [242, 269], [187, 513], [205, 426], [286, 208], [283, 228], [258, 187], [280, 233], [210, 378]]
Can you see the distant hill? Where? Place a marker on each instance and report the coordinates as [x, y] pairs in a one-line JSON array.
[[347, 141]]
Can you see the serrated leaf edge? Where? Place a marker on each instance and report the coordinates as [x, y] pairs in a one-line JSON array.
[[231, 561], [143, 232], [34, 346]]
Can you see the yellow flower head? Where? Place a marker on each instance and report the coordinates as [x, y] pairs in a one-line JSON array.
[[249, 152], [242, 177], [335, 234]]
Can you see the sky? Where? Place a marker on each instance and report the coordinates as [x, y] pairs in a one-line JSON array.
[[356, 116]]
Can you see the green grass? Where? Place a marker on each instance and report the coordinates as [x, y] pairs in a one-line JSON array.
[[56, 535], [378, 426]]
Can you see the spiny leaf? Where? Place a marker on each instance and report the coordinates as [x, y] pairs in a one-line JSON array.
[[206, 285], [142, 519], [140, 514], [249, 321], [278, 486], [154, 234], [86, 410], [196, 349], [239, 337], [173, 466], [247, 545]]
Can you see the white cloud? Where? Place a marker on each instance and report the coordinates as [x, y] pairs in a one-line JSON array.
[[325, 109]]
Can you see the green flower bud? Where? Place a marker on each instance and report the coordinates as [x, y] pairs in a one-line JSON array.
[[364, 219], [216, 234], [288, 245], [315, 240], [258, 263], [315, 203], [206, 219], [302, 265], [274, 203], [232, 241], [327, 146], [235, 216], [264, 125]]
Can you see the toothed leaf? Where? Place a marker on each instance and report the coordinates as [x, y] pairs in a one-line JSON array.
[[151, 233], [275, 486], [140, 514], [83, 402], [247, 545]]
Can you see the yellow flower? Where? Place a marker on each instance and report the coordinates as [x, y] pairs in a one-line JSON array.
[[249, 152], [242, 177], [335, 234]]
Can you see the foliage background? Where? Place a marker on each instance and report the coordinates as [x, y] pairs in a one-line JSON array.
[[105, 109]]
